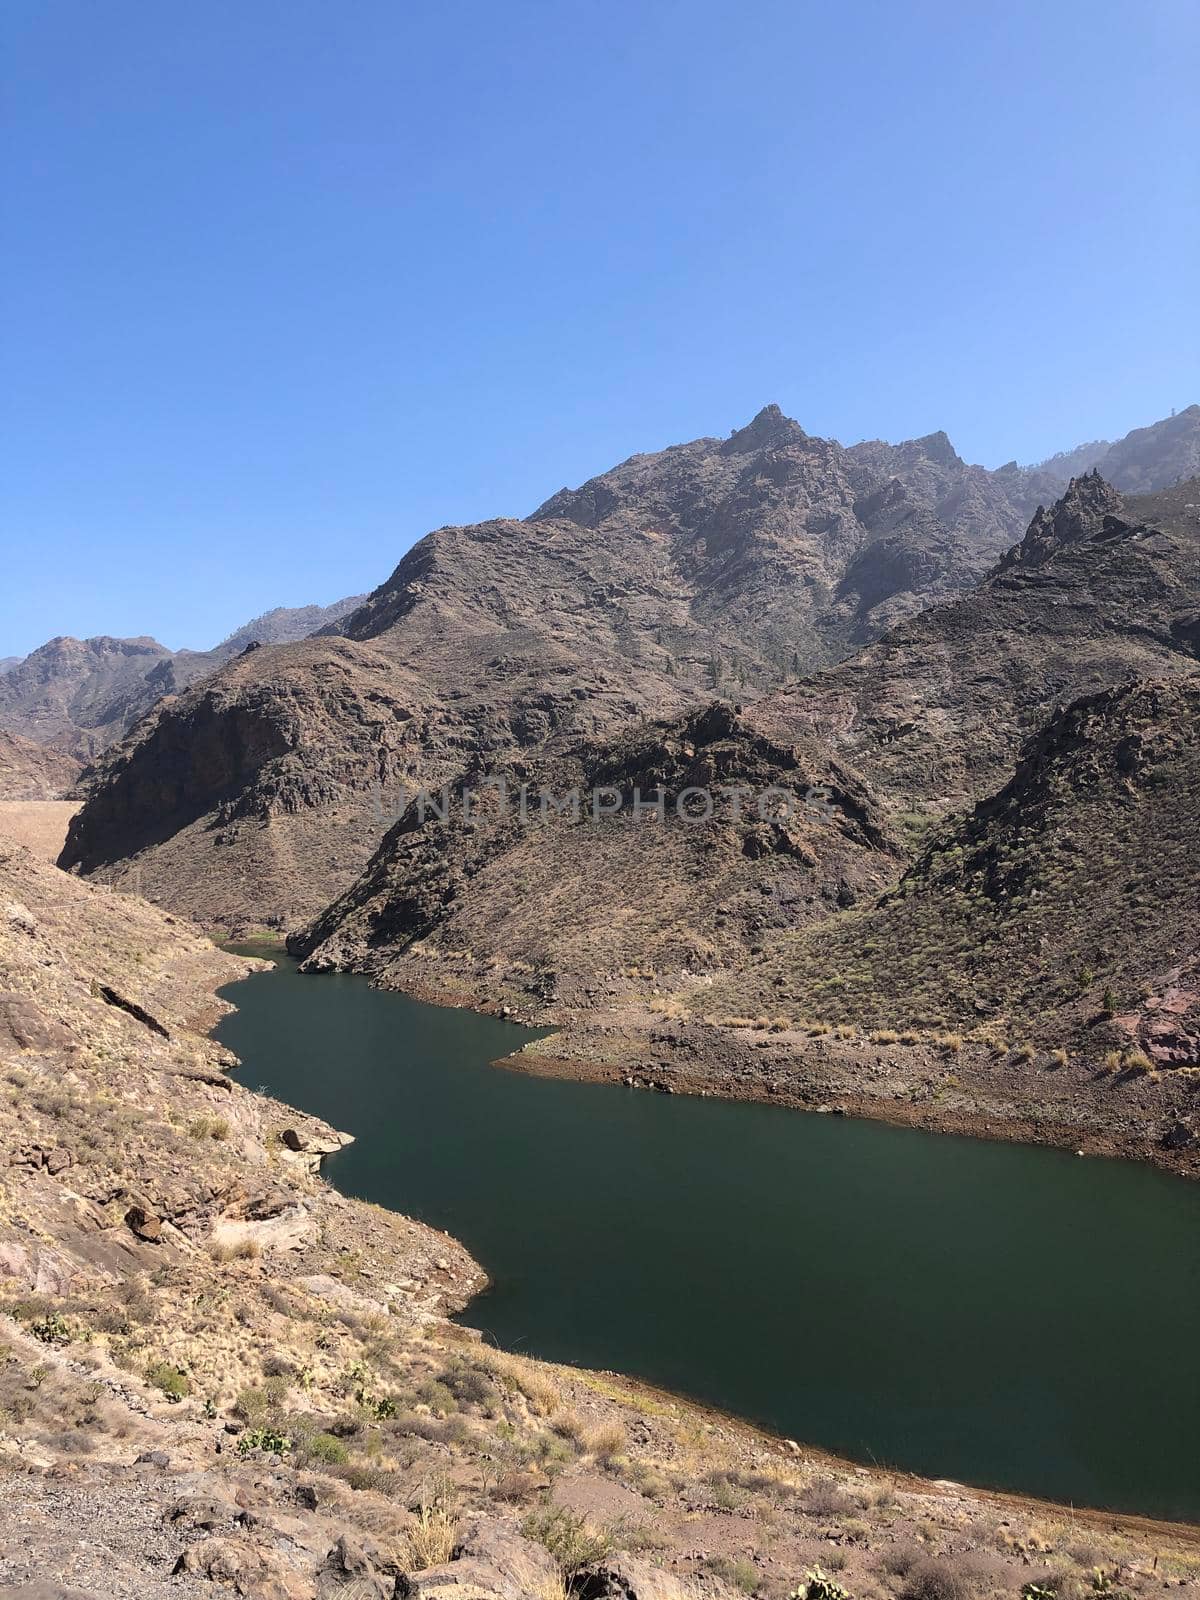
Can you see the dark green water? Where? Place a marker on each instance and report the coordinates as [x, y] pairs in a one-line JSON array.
[[1002, 1315]]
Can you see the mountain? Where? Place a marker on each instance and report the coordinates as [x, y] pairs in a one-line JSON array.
[[6, 662], [717, 567], [923, 722], [30, 771], [1146, 459], [1156, 457], [79, 695]]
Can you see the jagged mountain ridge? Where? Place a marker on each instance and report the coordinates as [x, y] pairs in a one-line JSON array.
[[715, 567], [79, 695]]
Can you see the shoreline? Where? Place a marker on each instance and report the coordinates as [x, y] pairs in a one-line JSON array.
[[753, 1433], [898, 1085]]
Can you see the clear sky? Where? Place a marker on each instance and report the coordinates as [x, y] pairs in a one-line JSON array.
[[286, 283]]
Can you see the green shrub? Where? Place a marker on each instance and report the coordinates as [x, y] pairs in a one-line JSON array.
[[571, 1540], [735, 1571], [264, 1439], [173, 1383], [53, 1328], [819, 1585], [324, 1447]]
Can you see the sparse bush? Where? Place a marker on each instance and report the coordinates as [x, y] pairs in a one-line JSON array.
[[53, 1328], [566, 1424], [431, 1541], [571, 1540], [327, 1449], [933, 1579], [605, 1442], [208, 1128], [736, 1571], [824, 1499], [269, 1439]]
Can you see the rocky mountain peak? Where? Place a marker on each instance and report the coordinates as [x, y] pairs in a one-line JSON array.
[[1088, 507], [769, 430], [936, 447]]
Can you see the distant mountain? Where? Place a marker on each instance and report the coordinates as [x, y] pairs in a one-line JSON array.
[[285, 624], [1155, 457], [1145, 460], [6, 662], [29, 771], [79, 695]]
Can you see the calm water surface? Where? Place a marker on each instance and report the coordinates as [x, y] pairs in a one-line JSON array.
[[1003, 1315]]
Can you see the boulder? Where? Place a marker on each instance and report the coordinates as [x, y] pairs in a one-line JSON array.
[[624, 1577], [355, 1570], [144, 1223], [492, 1561], [1178, 1137]]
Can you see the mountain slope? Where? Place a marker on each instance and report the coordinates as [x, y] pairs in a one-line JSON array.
[[1156, 457], [1146, 459], [1062, 909]]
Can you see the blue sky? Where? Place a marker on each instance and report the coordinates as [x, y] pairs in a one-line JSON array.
[[287, 283]]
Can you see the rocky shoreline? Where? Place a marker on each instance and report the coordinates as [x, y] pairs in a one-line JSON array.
[[971, 1090]]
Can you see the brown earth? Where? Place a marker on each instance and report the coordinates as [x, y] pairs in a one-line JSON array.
[[181, 1296]]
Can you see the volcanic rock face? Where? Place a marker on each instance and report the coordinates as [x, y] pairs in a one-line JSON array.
[[1102, 591], [554, 884]]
